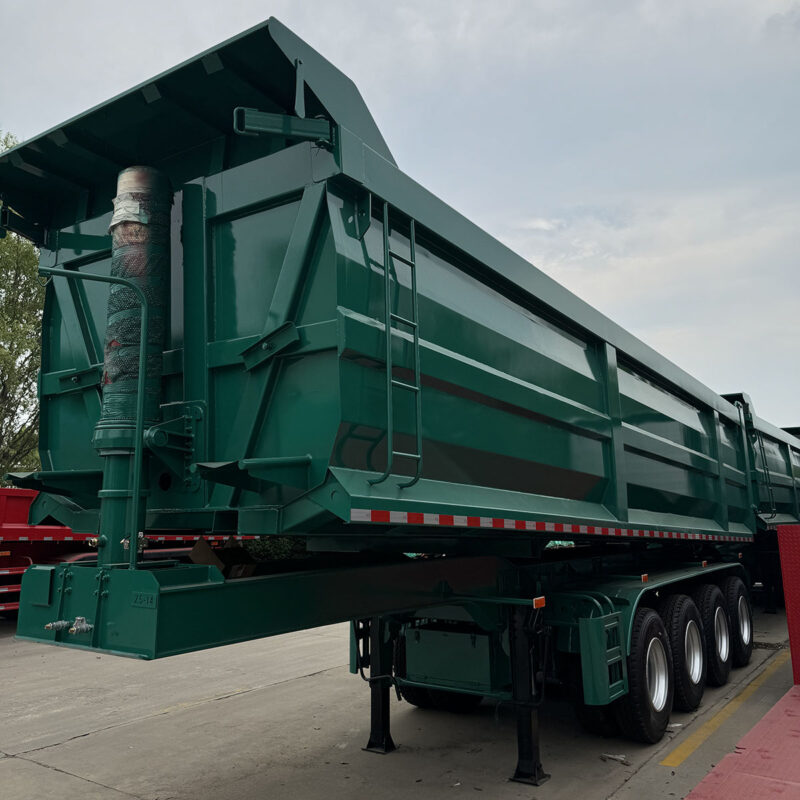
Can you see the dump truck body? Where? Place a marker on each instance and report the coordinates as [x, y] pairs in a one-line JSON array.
[[348, 360], [534, 407]]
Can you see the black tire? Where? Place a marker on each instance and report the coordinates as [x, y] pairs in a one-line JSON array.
[[685, 630], [643, 713], [711, 605], [455, 702], [417, 696], [740, 616]]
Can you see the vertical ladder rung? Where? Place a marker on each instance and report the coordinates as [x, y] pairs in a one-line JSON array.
[[403, 385], [412, 323], [404, 320], [402, 258]]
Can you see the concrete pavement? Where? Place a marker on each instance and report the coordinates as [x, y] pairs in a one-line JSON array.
[[283, 718]]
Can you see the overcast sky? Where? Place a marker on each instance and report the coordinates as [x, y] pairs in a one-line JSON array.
[[644, 154]]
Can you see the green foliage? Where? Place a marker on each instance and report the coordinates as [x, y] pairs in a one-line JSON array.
[[7, 141], [21, 299]]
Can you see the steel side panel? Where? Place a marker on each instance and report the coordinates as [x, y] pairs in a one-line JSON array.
[[535, 406], [151, 614]]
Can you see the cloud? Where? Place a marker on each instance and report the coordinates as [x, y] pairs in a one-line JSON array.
[[785, 25], [541, 224], [709, 279]]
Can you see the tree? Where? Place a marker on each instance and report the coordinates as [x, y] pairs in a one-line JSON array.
[[21, 300]]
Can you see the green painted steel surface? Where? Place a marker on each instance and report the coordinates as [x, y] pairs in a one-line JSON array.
[[531, 404], [454, 659], [165, 609], [68, 174], [303, 262]]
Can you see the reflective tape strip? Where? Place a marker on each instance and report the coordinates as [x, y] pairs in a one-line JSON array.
[[385, 517], [178, 537]]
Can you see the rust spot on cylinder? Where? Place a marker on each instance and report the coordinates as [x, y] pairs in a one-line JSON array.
[[140, 228]]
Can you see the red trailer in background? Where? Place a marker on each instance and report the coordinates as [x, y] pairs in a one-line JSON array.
[[789, 546], [22, 544]]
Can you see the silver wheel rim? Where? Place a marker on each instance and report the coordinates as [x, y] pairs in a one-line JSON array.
[[721, 633], [693, 647], [657, 674], [744, 620]]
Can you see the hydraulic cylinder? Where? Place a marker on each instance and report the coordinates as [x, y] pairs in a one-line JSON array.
[[140, 228]]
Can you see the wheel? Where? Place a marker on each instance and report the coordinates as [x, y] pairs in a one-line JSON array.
[[456, 702], [643, 713], [685, 630], [716, 633], [417, 696], [740, 615]]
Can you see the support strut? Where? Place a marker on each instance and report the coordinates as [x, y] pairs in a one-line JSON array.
[[526, 698], [380, 683]]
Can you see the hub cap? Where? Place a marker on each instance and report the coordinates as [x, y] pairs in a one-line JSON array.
[[657, 674], [744, 620], [693, 648], [721, 634]]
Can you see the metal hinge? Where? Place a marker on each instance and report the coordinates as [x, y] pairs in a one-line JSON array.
[[251, 122], [174, 443]]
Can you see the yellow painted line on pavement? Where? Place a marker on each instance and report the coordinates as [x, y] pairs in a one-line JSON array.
[[687, 747]]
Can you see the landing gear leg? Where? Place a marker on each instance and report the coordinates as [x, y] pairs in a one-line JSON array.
[[380, 683], [526, 697]]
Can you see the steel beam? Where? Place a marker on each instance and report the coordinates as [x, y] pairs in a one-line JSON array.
[[249, 121], [380, 684], [526, 698]]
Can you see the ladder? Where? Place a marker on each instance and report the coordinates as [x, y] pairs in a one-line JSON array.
[[767, 476], [395, 322]]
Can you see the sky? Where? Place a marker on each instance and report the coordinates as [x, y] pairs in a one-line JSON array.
[[643, 153]]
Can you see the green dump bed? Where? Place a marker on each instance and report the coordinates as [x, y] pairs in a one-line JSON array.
[[291, 226]]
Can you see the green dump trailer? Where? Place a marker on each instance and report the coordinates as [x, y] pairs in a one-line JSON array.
[[257, 324]]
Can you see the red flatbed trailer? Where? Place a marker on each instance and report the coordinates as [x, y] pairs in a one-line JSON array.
[[22, 544]]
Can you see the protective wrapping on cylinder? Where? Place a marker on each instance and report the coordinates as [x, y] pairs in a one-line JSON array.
[[139, 228]]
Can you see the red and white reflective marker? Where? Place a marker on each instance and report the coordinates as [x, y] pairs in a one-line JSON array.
[[458, 521]]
